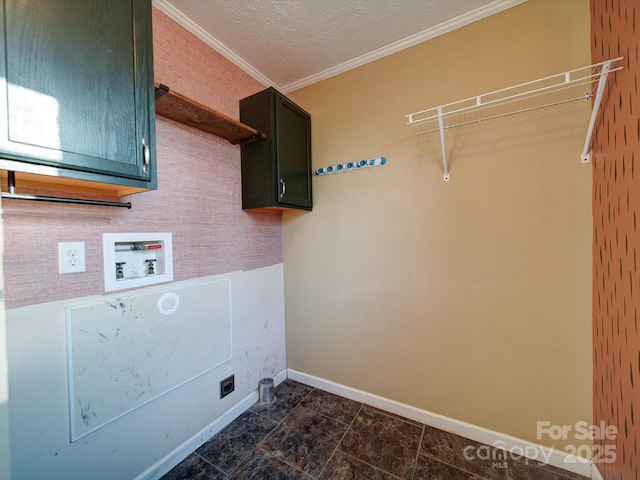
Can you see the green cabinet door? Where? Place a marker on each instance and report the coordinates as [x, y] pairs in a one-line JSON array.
[[276, 173], [77, 87]]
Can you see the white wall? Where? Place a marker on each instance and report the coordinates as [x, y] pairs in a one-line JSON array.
[[37, 353], [5, 463]]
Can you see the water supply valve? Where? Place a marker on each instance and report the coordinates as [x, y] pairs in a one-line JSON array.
[[120, 269], [151, 267], [140, 259]]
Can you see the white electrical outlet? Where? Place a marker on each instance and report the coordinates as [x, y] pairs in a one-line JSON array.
[[71, 257]]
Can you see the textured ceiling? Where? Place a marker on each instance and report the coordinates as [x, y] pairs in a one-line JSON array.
[[292, 43]]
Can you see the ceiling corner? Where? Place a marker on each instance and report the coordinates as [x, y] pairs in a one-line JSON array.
[[165, 7]]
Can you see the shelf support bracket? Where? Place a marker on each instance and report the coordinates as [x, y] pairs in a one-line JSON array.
[[445, 163], [586, 156], [248, 139]]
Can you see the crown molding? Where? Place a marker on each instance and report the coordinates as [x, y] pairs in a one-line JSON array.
[[165, 7], [427, 34]]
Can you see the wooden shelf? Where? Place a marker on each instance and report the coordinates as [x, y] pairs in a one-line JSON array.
[[172, 105]]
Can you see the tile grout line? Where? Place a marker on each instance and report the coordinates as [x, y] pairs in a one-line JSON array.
[[415, 464], [408, 422], [378, 469], [212, 464], [227, 474], [280, 460], [297, 469], [452, 465], [278, 424], [314, 410], [456, 467], [341, 438]]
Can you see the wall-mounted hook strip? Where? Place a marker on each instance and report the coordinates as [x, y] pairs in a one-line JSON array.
[[346, 167]]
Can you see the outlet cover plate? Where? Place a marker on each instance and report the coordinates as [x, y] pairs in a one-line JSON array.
[[227, 386], [71, 257]]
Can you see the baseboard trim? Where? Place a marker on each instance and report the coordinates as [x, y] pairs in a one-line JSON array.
[[165, 464], [595, 473], [518, 446]]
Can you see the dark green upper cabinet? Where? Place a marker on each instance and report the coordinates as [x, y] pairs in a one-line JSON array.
[[276, 173], [77, 89]]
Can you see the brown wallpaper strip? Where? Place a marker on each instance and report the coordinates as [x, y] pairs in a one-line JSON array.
[[615, 26]]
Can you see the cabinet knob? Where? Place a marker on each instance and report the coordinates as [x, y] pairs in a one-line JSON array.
[[145, 156], [284, 188]]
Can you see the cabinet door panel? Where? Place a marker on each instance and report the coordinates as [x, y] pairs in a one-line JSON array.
[[72, 93], [293, 133], [276, 173]]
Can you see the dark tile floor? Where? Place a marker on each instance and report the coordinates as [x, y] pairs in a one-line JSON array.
[[311, 434]]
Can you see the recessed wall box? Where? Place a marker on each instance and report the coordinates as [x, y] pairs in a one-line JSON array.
[[136, 259]]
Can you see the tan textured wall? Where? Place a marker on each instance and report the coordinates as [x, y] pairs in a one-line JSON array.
[[469, 298], [616, 241], [198, 197]]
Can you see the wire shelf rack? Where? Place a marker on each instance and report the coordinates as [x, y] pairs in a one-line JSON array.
[[584, 84]]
